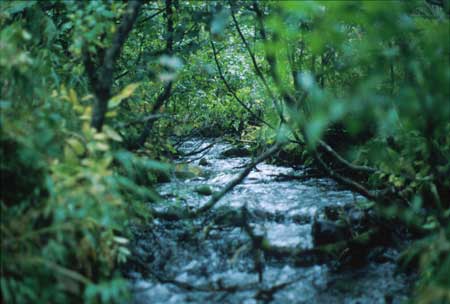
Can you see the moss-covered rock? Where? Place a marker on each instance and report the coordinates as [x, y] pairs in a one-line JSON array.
[[203, 190], [236, 152]]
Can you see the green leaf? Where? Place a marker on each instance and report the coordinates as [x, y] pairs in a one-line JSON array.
[[125, 93], [77, 146], [112, 134]]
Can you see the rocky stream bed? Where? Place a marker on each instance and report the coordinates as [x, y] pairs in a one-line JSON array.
[[210, 259]]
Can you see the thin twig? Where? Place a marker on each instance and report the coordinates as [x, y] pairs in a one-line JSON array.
[[230, 89]]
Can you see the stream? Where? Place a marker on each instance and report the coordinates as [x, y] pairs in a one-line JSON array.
[[209, 259]]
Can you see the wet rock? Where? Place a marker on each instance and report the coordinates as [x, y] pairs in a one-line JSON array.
[[204, 162], [162, 177], [328, 232], [332, 212], [388, 298], [230, 218], [187, 172], [203, 190], [358, 219], [134, 275], [235, 152], [383, 255]]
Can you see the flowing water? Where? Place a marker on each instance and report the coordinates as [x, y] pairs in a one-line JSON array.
[[209, 259]]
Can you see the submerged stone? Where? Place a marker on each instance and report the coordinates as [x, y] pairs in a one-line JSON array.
[[203, 162], [187, 172], [328, 232], [203, 190], [236, 152]]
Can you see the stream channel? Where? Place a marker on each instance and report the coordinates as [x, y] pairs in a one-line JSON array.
[[209, 259]]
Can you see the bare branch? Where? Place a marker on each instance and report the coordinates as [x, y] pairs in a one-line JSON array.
[[271, 59], [258, 71], [217, 196], [353, 185], [101, 78], [344, 162], [230, 89], [166, 93]]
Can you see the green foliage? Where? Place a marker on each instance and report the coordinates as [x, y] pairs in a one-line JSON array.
[[380, 68], [69, 193]]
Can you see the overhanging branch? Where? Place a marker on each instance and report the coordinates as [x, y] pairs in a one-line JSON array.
[[101, 78]]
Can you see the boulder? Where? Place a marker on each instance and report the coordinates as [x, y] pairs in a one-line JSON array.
[[328, 232], [204, 162], [235, 152], [203, 190]]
